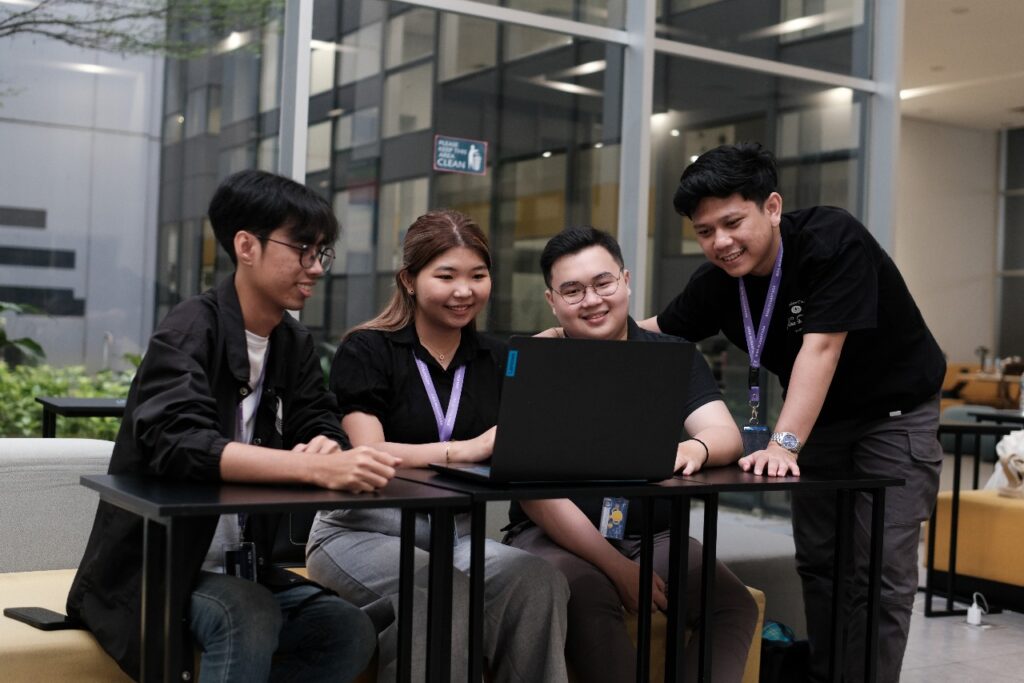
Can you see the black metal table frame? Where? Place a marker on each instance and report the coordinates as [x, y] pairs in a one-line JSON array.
[[681, 491], [76, 407], [958, 430], [165, 629]]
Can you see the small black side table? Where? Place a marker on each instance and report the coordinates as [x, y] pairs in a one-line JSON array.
[[76, 407]]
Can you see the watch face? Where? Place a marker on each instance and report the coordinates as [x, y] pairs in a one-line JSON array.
[[789, 441]]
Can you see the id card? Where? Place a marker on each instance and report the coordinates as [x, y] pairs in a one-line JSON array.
[[613, 517], [755, 438], [240, 560]]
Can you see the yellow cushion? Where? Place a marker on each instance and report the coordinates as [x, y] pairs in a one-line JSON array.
[[29, 654], [986, 536]]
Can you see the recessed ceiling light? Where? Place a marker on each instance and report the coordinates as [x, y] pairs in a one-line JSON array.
[[674, 132], [546, 155], [598, 145]]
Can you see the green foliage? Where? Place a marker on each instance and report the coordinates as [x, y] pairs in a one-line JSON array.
[[22, 415], [28, 348]]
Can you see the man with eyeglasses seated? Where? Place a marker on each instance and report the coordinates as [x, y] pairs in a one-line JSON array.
[[588, 290], [231, 389]]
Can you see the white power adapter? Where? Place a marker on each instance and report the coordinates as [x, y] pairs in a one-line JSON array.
[[974, 612]]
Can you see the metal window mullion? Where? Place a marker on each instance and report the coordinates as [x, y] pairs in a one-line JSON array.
[[768, 66], [294, 123], [883, 135], [507, 15], [635, 147]]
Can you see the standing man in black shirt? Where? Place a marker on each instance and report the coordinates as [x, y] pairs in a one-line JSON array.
[[811, 296], [230, 389]]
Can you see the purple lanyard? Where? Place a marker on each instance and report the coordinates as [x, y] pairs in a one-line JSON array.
[[755, 344], [445, 421]]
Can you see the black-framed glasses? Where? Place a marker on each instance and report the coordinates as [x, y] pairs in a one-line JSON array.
[[603, 285], [309, 254]]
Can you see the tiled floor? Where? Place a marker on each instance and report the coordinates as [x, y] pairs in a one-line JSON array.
[[948, 650]]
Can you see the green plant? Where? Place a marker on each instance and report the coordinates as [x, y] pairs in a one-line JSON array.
[[24, 346], [22, 416]]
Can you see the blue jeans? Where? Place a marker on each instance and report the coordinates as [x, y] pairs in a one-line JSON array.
[[248, 634]]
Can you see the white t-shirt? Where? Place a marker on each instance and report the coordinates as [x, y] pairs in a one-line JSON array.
[[228, 531]]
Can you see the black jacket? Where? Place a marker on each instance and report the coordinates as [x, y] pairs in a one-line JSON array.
[[180, 414]]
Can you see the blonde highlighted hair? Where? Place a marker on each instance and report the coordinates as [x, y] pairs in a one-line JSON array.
[[429, 236]]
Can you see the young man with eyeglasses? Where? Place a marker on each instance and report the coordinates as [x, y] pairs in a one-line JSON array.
[[230, 389], [811, 296], [588, 291]]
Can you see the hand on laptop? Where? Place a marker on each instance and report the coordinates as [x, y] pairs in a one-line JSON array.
[[475, 449], [626, 577]]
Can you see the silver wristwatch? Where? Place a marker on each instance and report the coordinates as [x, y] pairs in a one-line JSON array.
[[787, 440]]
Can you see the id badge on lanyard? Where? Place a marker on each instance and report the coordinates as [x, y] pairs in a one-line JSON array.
[[755, 433]]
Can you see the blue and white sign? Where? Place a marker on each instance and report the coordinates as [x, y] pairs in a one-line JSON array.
[[459, 155]]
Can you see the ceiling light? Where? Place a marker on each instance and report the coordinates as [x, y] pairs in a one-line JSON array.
[[596, 66], [694, 157], [598, 145], [659, 118], [546, 155], [800, 24], [674, 133]]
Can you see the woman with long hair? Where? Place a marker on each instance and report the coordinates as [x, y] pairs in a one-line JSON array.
[[419, 382]]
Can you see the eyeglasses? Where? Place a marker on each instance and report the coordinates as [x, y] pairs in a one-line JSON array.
[[309, 254], [603, 285]]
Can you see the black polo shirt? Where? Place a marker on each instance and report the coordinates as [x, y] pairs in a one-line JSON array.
[[702, 390], [835, 278], [374, 372]]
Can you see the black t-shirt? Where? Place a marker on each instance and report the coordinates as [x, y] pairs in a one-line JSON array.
[[835, 278], [702, 390], [374, 372]]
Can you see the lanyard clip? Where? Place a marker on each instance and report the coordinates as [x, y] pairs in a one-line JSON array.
[[753, 376], [753, 411]]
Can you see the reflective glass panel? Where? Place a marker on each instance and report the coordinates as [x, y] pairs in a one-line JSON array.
[[407, 100], [832, 35], [410, 36], [360, 54]]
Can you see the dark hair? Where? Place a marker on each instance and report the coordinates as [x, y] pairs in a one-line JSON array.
[[428, 237], [262, 202], [746, 169], [575, 239]]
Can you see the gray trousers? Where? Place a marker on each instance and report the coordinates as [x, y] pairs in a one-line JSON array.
[[906, 447], [525, 598], [597, 645]]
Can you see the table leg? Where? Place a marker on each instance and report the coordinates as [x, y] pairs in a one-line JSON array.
[[406, 572], [643, 616], [153, 546], [707, 584], [178, 659], [439, 599], [844, 516], [954, 522], [478, 527], [678, 574], [49, 423], [874, 584]]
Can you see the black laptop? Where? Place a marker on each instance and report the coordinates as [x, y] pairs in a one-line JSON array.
[[577, 410]]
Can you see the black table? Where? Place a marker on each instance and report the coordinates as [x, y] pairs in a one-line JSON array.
[[166, 506], [76, 407], [707, 486], [999, 416]]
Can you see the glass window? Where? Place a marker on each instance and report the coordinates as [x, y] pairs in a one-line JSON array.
[[270, 67], [400, 204], [235, 159], [832, 35], [209, 257], [407, 100], [174, 125], [609, 13], [360, 54], [196, 112], [241, 69], [321, 67], [521, 41], [361, 127], [318, 147], [266, 154], [410, 36], [468, 44]]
